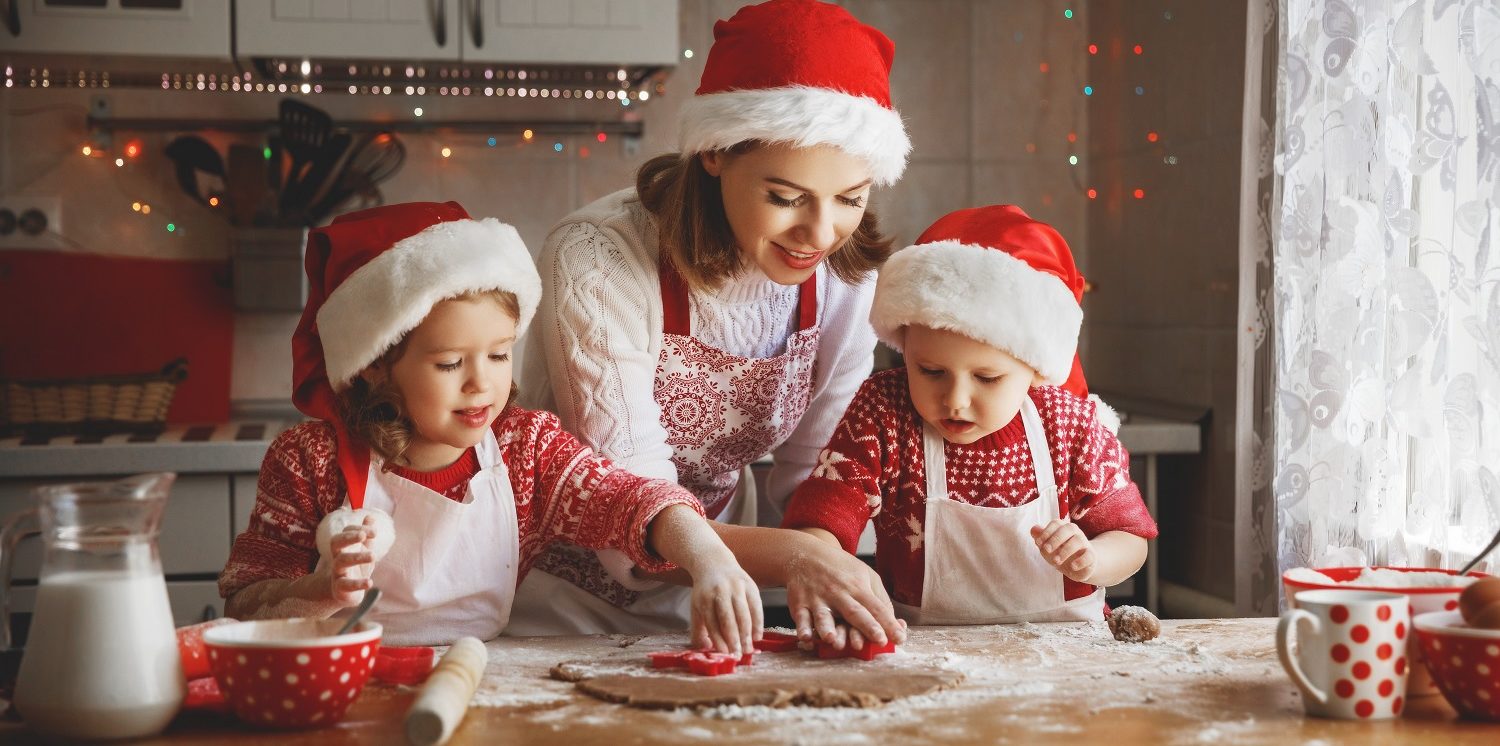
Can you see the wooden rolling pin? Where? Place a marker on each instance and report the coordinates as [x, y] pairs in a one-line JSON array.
[[440, 706]]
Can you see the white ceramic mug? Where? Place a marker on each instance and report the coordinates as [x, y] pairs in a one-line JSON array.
[[1351, 660]]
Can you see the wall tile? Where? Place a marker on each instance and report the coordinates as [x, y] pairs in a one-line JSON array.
[[930, 79], [927, 191]]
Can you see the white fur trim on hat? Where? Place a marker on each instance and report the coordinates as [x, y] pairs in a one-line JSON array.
[[982, 293], [371, 310], [802, 116]]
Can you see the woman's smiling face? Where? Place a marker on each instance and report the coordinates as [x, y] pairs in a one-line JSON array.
[[790, 207]]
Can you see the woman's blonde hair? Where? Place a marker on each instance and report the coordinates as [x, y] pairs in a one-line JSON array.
[[375, 412], [694, 232]]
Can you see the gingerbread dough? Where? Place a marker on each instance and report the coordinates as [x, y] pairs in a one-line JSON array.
[[774, 680]]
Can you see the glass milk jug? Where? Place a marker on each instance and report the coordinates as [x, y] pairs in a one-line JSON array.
[[101, 660]]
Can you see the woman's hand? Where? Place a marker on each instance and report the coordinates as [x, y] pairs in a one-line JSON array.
[[825, 584], [1064, 546]]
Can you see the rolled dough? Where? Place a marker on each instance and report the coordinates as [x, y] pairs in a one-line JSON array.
[[775, 680]]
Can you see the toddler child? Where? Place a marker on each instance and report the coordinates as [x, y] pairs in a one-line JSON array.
[[997, 494], [403, 357]]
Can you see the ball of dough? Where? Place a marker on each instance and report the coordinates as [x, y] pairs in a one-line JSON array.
[[1479, 604], [383, 528], [1133, 624]]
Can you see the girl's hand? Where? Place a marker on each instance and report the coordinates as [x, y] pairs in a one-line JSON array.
[[351, 563], [826, 584], [1064, 546], [727, 614]]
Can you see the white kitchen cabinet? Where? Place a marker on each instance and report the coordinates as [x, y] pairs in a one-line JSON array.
[[175, 28], [358, 29], [609, 32]]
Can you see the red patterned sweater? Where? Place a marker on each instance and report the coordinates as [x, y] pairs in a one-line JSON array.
[[872, 469], [564, 493]]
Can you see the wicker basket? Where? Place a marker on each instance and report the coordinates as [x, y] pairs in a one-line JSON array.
[[91, 406]]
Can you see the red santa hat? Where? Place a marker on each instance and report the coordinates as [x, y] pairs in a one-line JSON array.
[[991, 274], [801, 72], [373, 276]]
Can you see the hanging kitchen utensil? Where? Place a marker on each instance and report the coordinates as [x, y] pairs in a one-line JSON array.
[[194, 159], [319, 178], [245, 183], [376, 158], [304, 132]]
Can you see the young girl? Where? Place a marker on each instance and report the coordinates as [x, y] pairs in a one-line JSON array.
[[997, 495], [403, 357], [718, 311]]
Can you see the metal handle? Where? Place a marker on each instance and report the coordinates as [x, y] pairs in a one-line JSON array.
[[476, 22], [13, 17], [20, 526], [440, 22]]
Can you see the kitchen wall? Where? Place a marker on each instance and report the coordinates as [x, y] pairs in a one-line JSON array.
[[991, 92]]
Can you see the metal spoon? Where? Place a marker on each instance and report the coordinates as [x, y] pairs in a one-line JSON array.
[[371, 596], [1482, 553]]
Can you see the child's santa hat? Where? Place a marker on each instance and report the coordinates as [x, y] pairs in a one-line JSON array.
[[995, 275], [801, 72], [373, 276]]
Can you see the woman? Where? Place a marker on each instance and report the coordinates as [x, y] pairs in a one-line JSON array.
[[719, 311]]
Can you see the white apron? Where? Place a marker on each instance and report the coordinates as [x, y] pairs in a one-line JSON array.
[[721, 412], [452, 569], [981, 564]]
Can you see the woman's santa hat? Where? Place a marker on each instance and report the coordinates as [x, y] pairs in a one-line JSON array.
[[995, 275], [373, 276], [802, 72]]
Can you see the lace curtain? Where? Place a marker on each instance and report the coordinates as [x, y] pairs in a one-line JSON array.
[[1386, 277]]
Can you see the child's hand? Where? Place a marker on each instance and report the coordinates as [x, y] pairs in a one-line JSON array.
[[727, 615], [1064, 546], [351, 563]]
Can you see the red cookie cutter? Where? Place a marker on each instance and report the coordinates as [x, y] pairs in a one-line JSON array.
[[866, 653], [700, 662], [776, 642], [408, 666]]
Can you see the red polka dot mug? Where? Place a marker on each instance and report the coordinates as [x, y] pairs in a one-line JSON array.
[[1350, 660]]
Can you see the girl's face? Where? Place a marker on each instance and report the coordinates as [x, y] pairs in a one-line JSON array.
[[454, 378], [790, 207], [964, 388]]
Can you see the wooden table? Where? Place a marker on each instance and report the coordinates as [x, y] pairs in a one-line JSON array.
[[1203, 681]]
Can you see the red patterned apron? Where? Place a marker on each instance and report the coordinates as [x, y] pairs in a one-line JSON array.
[[721, 412]]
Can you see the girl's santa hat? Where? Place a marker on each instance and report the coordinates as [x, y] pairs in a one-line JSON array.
[[802, 72], [995, 275], [373, 276]]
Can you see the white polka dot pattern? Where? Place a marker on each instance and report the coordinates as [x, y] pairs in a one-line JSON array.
[[274, 687]]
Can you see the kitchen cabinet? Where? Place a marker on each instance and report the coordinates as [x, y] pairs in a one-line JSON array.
[[502, 31], [359, 29], [157, 28], [636, 32], [196, 532]]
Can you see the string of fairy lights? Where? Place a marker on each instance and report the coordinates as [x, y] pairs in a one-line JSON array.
[[1151, 137], [600, 86]]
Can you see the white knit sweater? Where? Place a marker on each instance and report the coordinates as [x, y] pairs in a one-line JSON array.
[[594, 346]]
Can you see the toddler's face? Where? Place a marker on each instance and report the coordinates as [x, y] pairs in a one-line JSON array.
[[789, 207], [964, 388], [454, 377]]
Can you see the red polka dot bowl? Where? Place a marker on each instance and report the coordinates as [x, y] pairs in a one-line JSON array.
[[1421, 600], [291, 673], [1464, 661]]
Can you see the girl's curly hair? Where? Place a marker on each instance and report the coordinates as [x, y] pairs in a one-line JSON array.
[[375, 412]]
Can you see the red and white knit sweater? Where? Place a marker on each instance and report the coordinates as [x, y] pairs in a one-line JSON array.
[[564, 492], [873, 469]]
